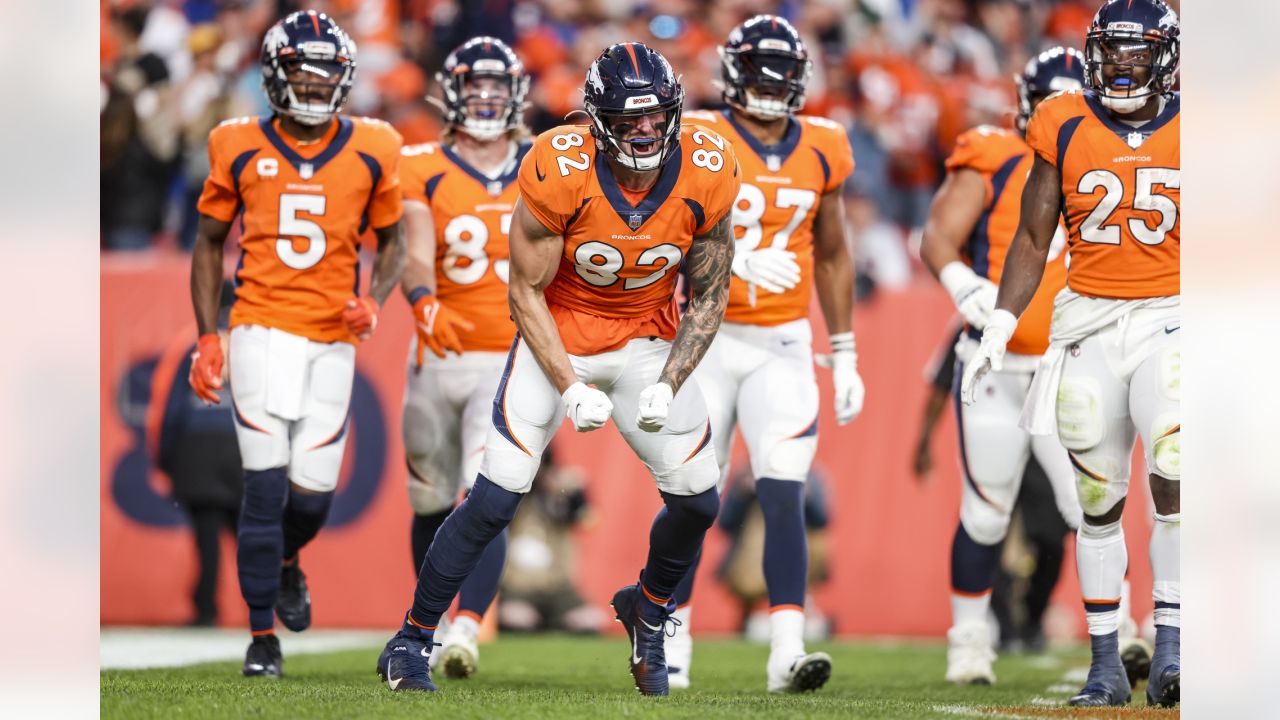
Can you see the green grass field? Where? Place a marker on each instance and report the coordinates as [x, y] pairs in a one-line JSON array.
[[564, 677]]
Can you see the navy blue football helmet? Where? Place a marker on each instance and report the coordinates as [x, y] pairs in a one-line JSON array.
[[1127, 35], [1054, 70], [309, 45], [632, 80], [483, 57], [764, 68]]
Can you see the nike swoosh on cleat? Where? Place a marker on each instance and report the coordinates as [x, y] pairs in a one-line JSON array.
[[654, 628], [423, 652]]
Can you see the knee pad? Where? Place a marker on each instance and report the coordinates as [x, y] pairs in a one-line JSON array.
[[1169, 374], [789, 459], [700, 509], [1100, 483], [984, 522], [1081, 422], [429, 491], [265, 494], [1166, 449]]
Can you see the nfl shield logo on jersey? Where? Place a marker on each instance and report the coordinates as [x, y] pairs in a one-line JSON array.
[[1135, 139], [494, 188], [306, 170], [635, 221], [773, 162]]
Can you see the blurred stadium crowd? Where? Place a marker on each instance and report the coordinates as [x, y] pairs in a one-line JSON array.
[[905, 77]]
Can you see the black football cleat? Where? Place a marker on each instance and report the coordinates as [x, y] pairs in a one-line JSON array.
[[648, 657], [293, 603], [405, 663], [1106, 686], [263, 658]]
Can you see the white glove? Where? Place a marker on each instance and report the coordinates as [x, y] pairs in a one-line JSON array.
[[850, 392], [655, 402], [773, 269], [990, 353], [974, 296], [587, 407]]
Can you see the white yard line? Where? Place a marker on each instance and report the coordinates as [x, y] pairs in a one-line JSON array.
[[132, 648]]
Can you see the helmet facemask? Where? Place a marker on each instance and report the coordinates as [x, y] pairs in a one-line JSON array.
[[485, 103], [1127, 70], [653, 132], [766, 85], [308, 81]]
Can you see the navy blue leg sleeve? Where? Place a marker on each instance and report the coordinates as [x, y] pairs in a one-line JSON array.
[[786, 547], [684, 591], [421, 533], [260, 543], [973, 566], [304, 515], [458, 547], [675, 541], [481, 586]]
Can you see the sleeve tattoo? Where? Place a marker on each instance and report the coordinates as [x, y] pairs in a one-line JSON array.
[[708, 262]]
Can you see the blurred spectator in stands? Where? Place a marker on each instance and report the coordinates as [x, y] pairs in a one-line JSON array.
[[206, 98], [537, 590], [742, 569], [195, 446], [139, 138]]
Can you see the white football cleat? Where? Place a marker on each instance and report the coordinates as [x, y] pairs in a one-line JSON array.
[[459, 654], [679, 649], [969, 655], [798, 673]]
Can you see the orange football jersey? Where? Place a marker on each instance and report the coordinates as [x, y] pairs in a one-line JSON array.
[[617, 276], [472, 216], [1004, 160], [304, 209], [1121, 196], [782, 185]]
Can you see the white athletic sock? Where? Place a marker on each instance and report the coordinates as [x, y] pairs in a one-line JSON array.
[[1166, 578], [968, 609], [1128, 623], [786, 632], [1101, 560]]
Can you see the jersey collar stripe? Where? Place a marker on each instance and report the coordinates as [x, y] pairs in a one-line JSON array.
[[657, 196], [782, 149], [484, 180], [1171, 108], [338, 142]]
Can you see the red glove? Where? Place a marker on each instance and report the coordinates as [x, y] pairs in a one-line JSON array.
[[206, 368], [438, 327], [361, 317]]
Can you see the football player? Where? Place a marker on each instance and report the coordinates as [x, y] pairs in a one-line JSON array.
[[789, 225], [966, 238], [1107, 159], [305, 183], [609, 214], [459, 196]]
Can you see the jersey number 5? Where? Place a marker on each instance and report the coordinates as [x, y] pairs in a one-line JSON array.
[[1095, 228], [290, 224]]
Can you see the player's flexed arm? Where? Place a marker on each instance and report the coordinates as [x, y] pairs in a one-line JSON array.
[[535, 256], [709, 262], [1023, 268], [833, 279]]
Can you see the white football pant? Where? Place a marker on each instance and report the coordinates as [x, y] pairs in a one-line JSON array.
[[448, 409], [291, 398], [528, 410]]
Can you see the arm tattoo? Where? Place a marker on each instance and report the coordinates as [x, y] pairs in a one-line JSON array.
[[709, 260]]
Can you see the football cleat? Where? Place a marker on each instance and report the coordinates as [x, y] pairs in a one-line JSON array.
[[1165, 683], [800, 673], [1106, 686], [647, 632], [263, 658], [404, 663], [969, 655], [293, 603], [459, 654]]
